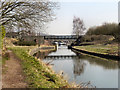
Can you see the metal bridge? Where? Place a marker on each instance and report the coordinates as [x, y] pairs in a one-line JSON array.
[[67, 39], [60, 37]]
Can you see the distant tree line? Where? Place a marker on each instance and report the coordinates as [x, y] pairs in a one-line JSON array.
[[100, 34], [105, 29]]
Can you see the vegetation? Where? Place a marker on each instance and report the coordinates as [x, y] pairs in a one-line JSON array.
[[95, 40], [108, 33], [25, 43], [38, 74], [2, 35], [105, 29], [2, 29], [5, 57], [0, 39]]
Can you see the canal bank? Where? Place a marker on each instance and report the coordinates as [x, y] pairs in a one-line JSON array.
[[43, 48], [97, 51]]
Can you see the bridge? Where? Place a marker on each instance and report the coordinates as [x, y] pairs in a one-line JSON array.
[[68, 39], [47, 37]]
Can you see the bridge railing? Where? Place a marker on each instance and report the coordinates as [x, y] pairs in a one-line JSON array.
[[61, 37]]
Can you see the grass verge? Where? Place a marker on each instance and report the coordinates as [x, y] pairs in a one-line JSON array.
[[102, 49], [5, 57], [38, 75]]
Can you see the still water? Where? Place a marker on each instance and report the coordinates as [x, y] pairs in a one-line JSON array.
[[79, 68]]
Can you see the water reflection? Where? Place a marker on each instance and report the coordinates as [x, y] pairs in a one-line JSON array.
[[79, 67], [78, 60], [106, 64], [42, 54], [60, 57]]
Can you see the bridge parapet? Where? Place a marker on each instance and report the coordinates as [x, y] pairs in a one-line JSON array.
[[60, 37]]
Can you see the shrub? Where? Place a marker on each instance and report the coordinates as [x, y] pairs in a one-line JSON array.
[[2, 35], [25, 43], [105, 29]]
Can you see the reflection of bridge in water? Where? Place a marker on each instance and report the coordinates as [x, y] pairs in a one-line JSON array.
[[60, 57]]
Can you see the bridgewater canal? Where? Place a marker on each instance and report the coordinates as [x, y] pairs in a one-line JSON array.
[[79, 68]]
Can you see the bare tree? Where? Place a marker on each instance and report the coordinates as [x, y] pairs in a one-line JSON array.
[[27, 15], [78, 26]]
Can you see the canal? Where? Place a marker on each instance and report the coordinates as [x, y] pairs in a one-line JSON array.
[[78, 68]]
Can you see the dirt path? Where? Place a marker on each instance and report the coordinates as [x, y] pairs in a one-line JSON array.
[[13, 76]]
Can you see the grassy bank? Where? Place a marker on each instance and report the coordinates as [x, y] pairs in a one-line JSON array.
[[5, 58], [38, 74], [102, 49]]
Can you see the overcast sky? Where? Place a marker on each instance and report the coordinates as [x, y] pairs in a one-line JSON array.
[[93, 13]]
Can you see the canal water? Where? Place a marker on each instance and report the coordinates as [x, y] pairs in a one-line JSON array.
[[81, 68]]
